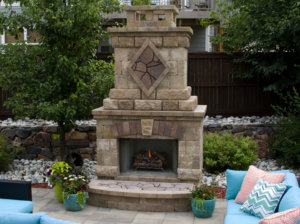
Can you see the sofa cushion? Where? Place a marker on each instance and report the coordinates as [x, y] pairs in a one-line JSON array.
[[252, 176], [263, 199], [19, 218], [9, 205], [291, 199], [291, 180], [290, 216], [234, 179], [48, 220], [241, 219]]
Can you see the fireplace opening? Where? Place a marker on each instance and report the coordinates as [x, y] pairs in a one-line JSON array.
[[148, 155]]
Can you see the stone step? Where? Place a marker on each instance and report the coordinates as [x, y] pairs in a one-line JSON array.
[[140, 196]]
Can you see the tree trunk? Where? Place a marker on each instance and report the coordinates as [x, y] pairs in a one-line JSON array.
[[64, 151]]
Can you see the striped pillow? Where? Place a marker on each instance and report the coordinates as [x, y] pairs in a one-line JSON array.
[[264, 198]]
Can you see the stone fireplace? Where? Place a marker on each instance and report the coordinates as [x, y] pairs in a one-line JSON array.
[[151, 106]]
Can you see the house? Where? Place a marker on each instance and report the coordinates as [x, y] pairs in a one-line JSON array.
[[190, 13]]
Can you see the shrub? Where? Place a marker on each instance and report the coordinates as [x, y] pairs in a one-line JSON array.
[[141, 2], [285, 140], [225, 151], [7, 152]]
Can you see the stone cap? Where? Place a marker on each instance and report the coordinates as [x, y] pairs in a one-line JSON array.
[[199, 112], [151, 16], [132, 31]]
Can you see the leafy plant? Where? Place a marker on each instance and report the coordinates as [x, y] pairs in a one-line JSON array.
[[76, 183], [202, 192], [57, 172], [60, 78], [141, 2], [7, 152], [266, 35], [221, 152], [285, 140]]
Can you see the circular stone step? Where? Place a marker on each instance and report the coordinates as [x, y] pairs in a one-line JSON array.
[[140, 196]]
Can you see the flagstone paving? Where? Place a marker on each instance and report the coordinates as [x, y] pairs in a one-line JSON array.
[[45, 201]]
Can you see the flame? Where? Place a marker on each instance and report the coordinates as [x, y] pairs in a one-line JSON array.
[[149, 153]]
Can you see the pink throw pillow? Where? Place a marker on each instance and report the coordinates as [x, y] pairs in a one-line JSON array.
[[252, 176], [290, 216]]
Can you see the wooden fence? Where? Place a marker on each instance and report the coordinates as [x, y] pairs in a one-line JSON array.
[[210, 76]]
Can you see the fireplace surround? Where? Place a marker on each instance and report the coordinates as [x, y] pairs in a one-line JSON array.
[[151, 103]]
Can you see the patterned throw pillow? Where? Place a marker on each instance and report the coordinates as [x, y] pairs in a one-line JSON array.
[[290, 216], [263, 199]]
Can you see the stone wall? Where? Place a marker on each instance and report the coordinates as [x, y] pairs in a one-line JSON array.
[[38, 141]]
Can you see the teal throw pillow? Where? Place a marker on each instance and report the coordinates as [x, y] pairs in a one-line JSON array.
[[263, 199]]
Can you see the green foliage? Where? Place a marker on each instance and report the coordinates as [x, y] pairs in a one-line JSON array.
[[141, 2], [7, 152], [203, 192], [267, 35], [59, 79], [221, 152], [57, 172], [285, 140]]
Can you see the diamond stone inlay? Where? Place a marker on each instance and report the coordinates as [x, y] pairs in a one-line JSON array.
[[148, 67]]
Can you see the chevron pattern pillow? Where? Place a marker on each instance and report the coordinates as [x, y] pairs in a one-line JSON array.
[[263, 199]]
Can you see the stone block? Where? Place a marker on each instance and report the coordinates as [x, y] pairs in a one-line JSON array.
[[173, 94], [121, 82], [188, 105], [139, 41], [126, 41], [170, 105], [189, 174], [107, 171], [126, 104], [147, 125], [92, 136], [183, 42], [170, 42], [131, 83], [125, 94], [123, 54], [147, 105], [178, 82], [109, 104], [76, 135], [115, 41], [173, 68], [50, 129], [151, 97], [178, 54], [118, 68]]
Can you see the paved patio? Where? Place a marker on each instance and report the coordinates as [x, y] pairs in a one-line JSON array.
[[45, 201]]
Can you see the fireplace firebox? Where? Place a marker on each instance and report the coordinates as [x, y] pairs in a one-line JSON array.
[[148, 155]]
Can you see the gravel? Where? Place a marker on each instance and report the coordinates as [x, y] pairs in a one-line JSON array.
[[34, 170]]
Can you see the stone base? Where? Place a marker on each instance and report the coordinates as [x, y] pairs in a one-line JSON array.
[[140, 196]]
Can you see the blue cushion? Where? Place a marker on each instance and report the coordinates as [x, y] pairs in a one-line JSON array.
[[9, 205], [233, 208], [48, 220], [241, 219], [19, 218], [291, 180], [291, 199], [235, 179]]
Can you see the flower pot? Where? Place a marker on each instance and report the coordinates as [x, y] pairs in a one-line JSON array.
[[204, 210], [71, 204], [58, 191]]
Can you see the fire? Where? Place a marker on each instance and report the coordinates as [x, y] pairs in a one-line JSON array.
[[149, 153]]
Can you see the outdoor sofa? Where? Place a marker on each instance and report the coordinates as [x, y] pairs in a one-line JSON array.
[[16, 205], [291, 198]]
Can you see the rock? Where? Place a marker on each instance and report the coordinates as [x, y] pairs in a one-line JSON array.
[[23, 133], [33, 150], [17, 141], [262, 148], [46, 153], [50, 129], [42, 139], [9, 132]]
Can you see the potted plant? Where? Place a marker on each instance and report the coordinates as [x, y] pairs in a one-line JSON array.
[[203, 200], [55, 176], [75, 188]]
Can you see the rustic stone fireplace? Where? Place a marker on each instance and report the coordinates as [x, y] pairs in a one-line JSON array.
[[150, 113]]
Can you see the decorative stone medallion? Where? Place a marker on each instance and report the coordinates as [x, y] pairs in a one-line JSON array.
[[148, 68]]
